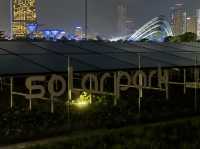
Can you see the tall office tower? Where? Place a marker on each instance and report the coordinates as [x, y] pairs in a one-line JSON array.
[[2, 34], [198, 24], [178, 19], [191, 24], [78, 32], [122, 13], [23, 12], [130, 26]]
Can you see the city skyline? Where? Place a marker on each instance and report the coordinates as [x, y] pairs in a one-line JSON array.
[[67, 14]]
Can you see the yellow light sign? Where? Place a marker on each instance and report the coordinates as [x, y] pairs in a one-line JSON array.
[[82, 101]]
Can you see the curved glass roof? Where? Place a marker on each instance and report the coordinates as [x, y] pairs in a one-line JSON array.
[[155, 29]]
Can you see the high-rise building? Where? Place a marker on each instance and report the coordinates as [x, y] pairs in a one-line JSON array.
[[2, 34], [191, 24], [130, 26], [198, 23], [178, 19], [78, 32], [122, 13], [23, 13]]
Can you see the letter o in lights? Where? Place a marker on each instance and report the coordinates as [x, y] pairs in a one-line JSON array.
[[51, 82], [136, 78]]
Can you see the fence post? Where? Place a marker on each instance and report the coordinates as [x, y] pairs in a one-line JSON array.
[[52, 104], [69, 82], [11, 92], [30, 101], [196, 81], [90, 94], [116, 88], [184, 81], [140, 85], [166, 76]]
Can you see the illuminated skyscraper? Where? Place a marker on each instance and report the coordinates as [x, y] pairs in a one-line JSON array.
[[198, 23], [23, 13], [191, 24], [78, 32], [2, 34], [178, 19], [130, 26], [122, 13]]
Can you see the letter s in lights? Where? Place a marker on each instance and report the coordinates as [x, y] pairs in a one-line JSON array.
[[30, 86]]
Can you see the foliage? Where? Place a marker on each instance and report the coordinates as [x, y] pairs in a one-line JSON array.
[[20, 124], [160, 135], [144, 40], [186, 37], [168, 39]]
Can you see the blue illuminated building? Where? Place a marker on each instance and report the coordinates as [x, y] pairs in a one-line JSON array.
[[31, 29], [53, 34]]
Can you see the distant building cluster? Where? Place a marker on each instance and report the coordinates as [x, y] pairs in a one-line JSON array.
[[182, 22], [24, 24], [158, 28]]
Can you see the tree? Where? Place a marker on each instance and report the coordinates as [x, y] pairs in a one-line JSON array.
[[144, 40], [186, 37], [168, 39]]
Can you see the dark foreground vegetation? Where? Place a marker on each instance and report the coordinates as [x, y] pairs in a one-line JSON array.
[[20, 124], [179, 134]]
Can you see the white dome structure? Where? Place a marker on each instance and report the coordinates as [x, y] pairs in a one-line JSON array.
[[155, 30]]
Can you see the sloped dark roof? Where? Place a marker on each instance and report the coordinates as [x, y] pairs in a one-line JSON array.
[[26, 57]]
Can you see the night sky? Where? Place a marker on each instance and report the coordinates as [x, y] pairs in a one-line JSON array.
[[102, 14]]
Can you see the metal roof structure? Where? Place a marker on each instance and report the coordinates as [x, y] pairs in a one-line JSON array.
[[38, 57]]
